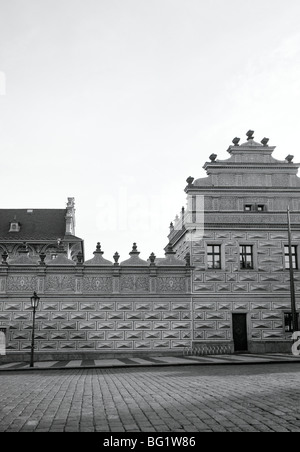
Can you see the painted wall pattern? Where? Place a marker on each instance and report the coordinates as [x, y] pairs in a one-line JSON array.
[[263, 293], [112, 312]]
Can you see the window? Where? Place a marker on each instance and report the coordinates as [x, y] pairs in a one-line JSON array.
[[260, 207], [288, 322], [246, 257], [14, 226], [287, 258], [248, 207], [214, 256]]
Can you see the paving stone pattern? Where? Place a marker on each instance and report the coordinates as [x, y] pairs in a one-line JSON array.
[[154, 361], [167, 399]]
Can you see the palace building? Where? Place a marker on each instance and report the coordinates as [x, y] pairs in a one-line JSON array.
[[222, 287], [241, 297]]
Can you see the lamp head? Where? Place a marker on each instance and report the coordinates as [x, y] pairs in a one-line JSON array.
[[35, 299]]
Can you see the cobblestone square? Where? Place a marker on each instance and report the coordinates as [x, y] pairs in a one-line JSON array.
[[174, 399]]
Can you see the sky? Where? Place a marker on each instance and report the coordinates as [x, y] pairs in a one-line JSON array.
[[117, 102]]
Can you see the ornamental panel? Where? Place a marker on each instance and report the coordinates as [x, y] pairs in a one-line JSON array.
[[97, 284], [171, 334], [124, 345], [171, 284], [152, 335], [96, 335], [124, 325], [124, 306], [161, 344], [133, 335], [142, 344], [161, 306], [161, 325], [105, 345], [87, 306], [21, 283]]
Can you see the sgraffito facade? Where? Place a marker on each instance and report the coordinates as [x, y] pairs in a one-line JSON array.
[[97, 307], [223, 286], [241, 282]]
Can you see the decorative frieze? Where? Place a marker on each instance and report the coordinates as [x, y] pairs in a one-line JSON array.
[[21, 283], [171, 284], [97, 284], [60, 283]]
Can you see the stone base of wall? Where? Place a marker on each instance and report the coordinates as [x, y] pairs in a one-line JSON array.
[[211, 348], [219, 348], [271, 347]]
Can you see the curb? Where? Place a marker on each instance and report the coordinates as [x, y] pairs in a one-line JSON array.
[[127, 366]]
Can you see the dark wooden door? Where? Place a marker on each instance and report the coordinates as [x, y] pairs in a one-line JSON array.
[[239, 325]]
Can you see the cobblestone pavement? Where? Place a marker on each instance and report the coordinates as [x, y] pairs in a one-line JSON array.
[[261, 397]]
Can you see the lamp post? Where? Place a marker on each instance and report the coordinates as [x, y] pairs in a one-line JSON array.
[[34, 304], [292, 284]]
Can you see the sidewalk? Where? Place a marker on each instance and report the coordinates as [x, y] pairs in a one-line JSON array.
[[278, 358]]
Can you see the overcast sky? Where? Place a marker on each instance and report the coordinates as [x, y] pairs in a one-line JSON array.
[[117, 102]]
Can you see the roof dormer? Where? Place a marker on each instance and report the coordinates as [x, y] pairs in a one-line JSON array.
[[14, 226]]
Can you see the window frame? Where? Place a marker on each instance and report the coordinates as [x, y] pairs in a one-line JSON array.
[[286, 255], [247, 254], [213, 254]]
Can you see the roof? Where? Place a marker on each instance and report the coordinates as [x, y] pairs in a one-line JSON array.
[[36, 224]]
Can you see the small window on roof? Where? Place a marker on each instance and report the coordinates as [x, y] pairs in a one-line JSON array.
[[248, 207], [260, 207], [14, 226]]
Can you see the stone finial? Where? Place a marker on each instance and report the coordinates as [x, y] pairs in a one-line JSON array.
[[171, 227], [116, 257], [190, 180], [250, 135], [169, 249], [4, 258], [289, 158], [152, 258], [265, 141], [134, 249], [71, 202], [187, 259], [98, 249], [236, 141], [42, 257], [213, 157], [79, 258]]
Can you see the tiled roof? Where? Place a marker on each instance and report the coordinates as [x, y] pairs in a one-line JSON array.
[[36, 224]]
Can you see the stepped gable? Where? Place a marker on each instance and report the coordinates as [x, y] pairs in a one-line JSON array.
[[98, 258], [249, 157]]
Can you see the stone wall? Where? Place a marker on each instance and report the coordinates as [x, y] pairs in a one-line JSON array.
[[96, 309]]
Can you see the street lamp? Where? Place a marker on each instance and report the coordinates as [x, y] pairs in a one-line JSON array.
[[34, 304]]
